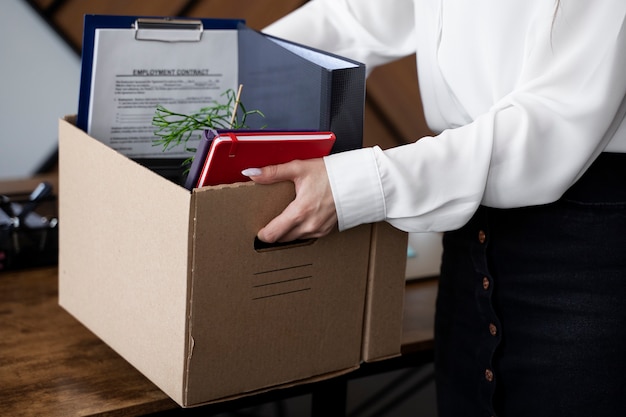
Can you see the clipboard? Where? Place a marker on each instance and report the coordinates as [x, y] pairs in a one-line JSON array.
[[141, 27]]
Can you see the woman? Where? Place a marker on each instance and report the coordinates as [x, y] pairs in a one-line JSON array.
[[527, 176]]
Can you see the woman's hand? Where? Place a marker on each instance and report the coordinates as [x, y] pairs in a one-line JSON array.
[[312, 213]]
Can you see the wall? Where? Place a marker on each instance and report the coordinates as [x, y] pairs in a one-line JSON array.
[[39, 76]]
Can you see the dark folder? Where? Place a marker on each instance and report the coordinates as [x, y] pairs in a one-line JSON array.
[[295, 92]]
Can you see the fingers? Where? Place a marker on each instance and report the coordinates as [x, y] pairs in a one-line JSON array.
[[312, 213], [272, 173], [295, 223]]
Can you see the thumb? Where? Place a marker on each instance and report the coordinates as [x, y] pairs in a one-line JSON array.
[[270, 174]]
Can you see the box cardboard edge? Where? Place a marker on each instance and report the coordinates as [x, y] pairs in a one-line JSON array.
[[383, 318], [173, 389], [292, 384]]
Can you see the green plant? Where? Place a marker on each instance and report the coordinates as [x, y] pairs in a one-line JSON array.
[[174, 129]]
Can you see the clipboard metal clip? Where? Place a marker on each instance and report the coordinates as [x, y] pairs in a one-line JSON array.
[[168, 30]]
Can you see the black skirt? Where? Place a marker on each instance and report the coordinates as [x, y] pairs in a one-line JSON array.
[[531, 311]]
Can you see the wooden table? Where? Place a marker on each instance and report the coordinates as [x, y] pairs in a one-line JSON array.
[[52, 365]]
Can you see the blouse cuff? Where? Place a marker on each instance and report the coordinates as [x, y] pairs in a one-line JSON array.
[[356, 187]]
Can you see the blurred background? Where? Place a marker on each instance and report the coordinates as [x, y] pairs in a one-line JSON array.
[[39, 83]]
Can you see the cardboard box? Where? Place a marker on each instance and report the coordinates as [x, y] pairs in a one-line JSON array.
[[172, 281]]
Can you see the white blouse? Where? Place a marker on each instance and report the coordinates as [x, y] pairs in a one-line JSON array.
[[523, 96]]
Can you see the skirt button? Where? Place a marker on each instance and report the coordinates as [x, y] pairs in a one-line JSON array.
[[489, 375]]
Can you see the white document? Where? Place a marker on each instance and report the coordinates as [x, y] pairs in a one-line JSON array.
[[131, 77]]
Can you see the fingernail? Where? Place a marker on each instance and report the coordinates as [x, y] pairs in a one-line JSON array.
[[251, 172]]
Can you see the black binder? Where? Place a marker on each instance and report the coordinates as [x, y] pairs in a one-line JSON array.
[[296, 93]]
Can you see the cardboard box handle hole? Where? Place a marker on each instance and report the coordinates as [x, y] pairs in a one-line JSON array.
[[261, 246]]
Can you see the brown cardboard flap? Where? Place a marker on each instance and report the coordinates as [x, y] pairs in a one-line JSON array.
[[269, 318], [382, 334], [123, 255]]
